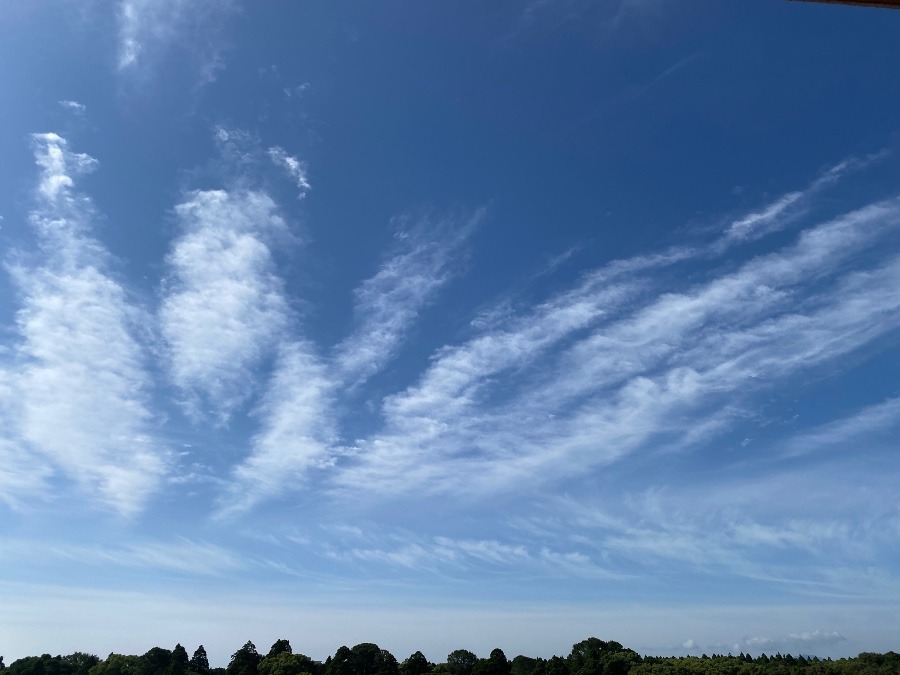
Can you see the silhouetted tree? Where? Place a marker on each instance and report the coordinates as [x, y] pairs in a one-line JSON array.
[[461, 662], [287, 663], [118, 664], [556, 665], [341, 663], [495, 664], [80, 663], [178, 662], [199, 663], [522, 665], [244, 661], [280, 647], [155, 661], [416, 664]]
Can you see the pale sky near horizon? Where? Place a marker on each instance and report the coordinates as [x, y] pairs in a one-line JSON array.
[[449, 325]]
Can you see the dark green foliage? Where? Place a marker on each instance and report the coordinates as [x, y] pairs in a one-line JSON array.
[[370, 659], [199, 663], [598, 657], [78, 663], [364, 659], [286, 663], [461, 662], [588, 657], [245, 661], [556, 666], [341, 663], [38, 665], [416, 664], [178, 662], [280, 647], [495, 664], [864, 664], [523, 665], [118, 664], [156, 661]]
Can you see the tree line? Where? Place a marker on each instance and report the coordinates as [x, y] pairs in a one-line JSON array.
[[588, 657]]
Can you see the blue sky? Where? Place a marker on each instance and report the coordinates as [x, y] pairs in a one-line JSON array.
[[449, 325]]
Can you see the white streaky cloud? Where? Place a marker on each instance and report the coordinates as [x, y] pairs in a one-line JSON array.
[[675, 322], [79, 382], [297, 433], [801, 538], [635, 380], [458, 374], [716, 541], [146, 28], [83, 387], [698, 326], [74, 106], [58, 164], [224, 308], [453, 557], [23, 476], [485, 550], [293, 167], [796, 534], [426, 258], [645, 410], [182, 556], [873, 419], [761, 222], [787, 208]]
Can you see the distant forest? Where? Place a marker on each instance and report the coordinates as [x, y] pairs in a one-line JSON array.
[[589, 657]]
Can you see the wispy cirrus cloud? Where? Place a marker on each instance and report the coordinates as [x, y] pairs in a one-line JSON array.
[[643, 371], [426, 257], [224, 308], [299, 418], [74, 106], [22, 475], [78, 383], [871, 420], [149, 28], [798, 529], [790, 206], [297, 434], [181, 555], [293, 167], [450, 557]]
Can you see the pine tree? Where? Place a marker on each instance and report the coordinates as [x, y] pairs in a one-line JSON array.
[[199, 662]]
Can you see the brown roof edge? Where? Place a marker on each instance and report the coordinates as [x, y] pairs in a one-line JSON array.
[[886, 4]]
